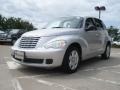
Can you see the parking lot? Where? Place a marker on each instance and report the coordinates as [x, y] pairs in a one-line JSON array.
[[94, 74]]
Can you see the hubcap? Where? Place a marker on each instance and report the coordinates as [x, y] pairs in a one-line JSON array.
[[73, 60], [108, 51]]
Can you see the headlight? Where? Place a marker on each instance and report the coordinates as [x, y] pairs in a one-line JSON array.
[[56, 44]]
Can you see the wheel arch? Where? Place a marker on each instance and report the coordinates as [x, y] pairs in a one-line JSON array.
[[76, 44], [65, 66]]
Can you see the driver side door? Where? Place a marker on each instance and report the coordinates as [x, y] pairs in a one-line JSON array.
[[91, 37]]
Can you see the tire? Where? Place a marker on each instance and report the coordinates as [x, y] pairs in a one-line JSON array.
[[106, 54], [71, 60]]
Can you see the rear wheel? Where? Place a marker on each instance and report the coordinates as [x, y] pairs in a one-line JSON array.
[[71, 60], [106, 54]]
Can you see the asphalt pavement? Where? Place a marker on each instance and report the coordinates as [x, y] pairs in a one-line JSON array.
[[94, 74]]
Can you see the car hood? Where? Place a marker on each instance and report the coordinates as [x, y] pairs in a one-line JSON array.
[[51, 32]]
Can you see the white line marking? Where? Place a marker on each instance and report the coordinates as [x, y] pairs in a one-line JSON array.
[[115, 53], [102, 70], [7, 57], [29, 76], [16, 84], [12, 65], [107, 81], [54, 84], [92, 69], [45, 82], [113, 71]]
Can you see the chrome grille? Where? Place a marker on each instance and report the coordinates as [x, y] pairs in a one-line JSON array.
[[29, 42]]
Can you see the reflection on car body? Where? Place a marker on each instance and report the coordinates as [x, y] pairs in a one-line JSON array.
[[63, 42]]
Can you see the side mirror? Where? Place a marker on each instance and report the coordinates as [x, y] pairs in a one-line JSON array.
[[91, 28]]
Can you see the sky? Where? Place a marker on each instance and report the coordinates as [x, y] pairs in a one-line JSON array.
[[40, 11]]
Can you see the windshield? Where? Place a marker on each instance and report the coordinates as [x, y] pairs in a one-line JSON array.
[[66, 22], [13, 31]]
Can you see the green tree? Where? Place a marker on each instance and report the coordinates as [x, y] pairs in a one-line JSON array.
[[2, 22], [114, 33], [15, 23]]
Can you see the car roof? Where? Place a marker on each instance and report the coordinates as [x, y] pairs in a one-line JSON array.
[[85, 17], [90, 17]]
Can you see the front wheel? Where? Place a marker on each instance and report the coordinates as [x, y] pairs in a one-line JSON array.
[[71, 60], [106, 54]]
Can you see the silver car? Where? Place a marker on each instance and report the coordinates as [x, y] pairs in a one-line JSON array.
[[64, 42]]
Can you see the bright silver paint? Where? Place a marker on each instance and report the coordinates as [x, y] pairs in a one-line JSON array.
[[92, 43]]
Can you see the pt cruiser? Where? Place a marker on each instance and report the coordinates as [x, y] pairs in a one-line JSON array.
[[63, 42]]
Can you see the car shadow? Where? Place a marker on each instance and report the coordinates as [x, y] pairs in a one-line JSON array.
[[83, 71]]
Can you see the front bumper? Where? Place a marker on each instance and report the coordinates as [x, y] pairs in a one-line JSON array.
[[33, 57]]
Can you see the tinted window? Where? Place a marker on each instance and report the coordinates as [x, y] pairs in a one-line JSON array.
[[98, 24], [89, 22]]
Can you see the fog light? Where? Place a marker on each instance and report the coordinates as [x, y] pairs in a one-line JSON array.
[[49, 61]]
